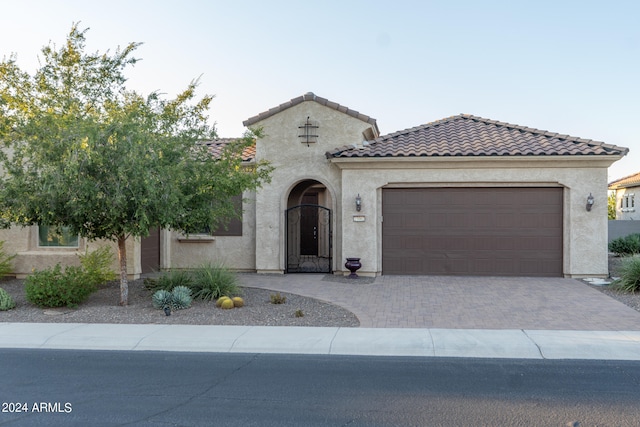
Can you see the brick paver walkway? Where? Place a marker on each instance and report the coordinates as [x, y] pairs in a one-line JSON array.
[[463, 302]]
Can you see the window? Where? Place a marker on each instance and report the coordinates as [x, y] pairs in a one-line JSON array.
[[48, 236], [234, 226], [628, 202]]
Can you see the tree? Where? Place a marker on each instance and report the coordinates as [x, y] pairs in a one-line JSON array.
[[611, 205], [82, 151]]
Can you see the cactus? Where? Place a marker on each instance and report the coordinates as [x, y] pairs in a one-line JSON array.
[[162, 299], [237, 302], [6, 302], [227, 303], [181, 297], [220, 300], [278, 299]]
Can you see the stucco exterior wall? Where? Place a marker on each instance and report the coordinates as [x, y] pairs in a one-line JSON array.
[[585, 233], [294, 162], [237, 252], [23, 242]]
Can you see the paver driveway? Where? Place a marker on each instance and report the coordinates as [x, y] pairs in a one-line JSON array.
[[462, 302]]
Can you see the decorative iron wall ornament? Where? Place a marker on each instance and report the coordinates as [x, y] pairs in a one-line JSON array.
[[308, 239], [308, 132]]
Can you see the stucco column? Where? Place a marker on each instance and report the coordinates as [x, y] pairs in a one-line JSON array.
[[268, 232]]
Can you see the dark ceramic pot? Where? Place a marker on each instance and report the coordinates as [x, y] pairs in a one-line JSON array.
[[353, 264]]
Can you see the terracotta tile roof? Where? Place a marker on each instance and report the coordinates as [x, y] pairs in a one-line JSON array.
[[627, 181], [466, 135], [217, 145], [310, 96]]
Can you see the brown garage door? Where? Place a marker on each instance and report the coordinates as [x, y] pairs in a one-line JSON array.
[[472, 231]]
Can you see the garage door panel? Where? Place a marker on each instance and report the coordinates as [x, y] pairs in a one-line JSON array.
[[473, 231]]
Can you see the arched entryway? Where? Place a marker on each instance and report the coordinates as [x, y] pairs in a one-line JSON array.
[[308, 229]]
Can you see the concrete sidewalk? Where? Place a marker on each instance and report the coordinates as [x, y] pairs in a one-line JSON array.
[[482, 343]]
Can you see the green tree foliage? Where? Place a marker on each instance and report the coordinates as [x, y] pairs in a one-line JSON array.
[[83, 151], [611, 206], [5, 261]]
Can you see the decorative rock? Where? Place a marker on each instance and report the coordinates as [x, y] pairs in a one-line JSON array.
[[56, 311], [597, 281]]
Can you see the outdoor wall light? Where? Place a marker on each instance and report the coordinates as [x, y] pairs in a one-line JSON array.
[[358, 203], [589, 202]]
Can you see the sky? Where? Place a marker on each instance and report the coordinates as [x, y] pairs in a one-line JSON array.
[[564, 66]]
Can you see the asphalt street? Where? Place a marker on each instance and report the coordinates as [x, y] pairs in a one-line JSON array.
[[108, 388]]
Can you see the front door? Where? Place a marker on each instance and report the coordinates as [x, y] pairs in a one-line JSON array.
[[308, 238], [309, 224]]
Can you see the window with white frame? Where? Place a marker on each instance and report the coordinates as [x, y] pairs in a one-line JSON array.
[[628, 202]]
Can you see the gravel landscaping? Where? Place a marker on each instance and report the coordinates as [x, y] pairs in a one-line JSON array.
[[632, 300], [102, 307]]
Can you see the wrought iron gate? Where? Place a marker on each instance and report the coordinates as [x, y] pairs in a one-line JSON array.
[[308, 239]]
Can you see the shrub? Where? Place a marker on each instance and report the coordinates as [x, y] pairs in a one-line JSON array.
[[5, 261], [169, 280], [278, 299], [627, 245], [54, 288], [629, 275], [97, 265], [207, 282], [6, 302], [213, 281]]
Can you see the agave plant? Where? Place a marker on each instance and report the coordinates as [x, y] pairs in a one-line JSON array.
[[162, 299], [181, 297]]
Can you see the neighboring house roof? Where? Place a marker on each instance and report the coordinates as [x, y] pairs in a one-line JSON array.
[[466, 135], [310, 96], [626, 182], [217, 145]]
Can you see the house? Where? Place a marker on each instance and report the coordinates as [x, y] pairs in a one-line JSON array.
[[626, 189], [627, 216], [460, 196]]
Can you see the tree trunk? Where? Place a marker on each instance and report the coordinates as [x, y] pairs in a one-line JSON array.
[[124, 283]]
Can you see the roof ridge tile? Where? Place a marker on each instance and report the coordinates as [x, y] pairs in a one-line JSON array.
[[310, 96]]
